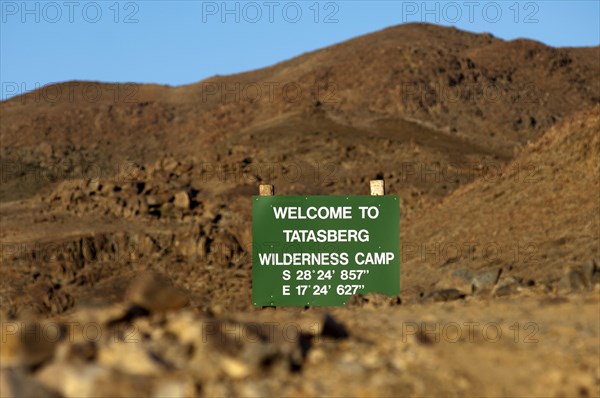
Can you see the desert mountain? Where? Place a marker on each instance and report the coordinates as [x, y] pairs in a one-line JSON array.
[[416, 85]]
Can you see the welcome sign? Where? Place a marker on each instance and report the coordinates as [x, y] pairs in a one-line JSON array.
[[320, 250]]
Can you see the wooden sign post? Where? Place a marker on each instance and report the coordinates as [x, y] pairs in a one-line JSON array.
[[266, 190], [377, 187]]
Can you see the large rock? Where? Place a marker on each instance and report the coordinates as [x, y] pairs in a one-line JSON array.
[[484, 281], [27, 343], [579, 279], [155, 293], [93, 380], [15, 383]]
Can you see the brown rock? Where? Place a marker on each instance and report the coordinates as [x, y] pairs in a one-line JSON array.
[[93, 380], [45, 149], [182, 200], [152, 200], [234, 368], [444, 295], [592, 271], [154, 293], [506, 289], [578, 279], [485, 280], [169, 164], [16, 383], [27, 343], [373, 300]]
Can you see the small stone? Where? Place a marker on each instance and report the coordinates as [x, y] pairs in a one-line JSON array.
[[316, 356], [506, 290], [182, 200], [486, 279], [234, 368], [166, 210], [94, 185], [139, 362], [152, 200], [444, 295], [169, 164], [507, 286]]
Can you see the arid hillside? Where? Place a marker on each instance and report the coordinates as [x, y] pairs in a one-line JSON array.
[[533, 220], [421, 82]]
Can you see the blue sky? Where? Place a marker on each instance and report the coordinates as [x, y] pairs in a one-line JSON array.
[[181, 42]]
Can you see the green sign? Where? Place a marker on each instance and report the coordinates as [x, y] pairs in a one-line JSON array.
[[320, 250]]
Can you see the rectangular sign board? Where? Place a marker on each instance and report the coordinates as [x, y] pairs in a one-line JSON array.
[[320, 250]]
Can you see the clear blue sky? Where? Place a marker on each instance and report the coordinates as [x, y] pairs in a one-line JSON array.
[[180, 42]]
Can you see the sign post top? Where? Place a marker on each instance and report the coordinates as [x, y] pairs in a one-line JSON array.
[[377, 187], [266, 190]]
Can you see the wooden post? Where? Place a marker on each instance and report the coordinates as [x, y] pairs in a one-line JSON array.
[[377, 188], [266, 190]]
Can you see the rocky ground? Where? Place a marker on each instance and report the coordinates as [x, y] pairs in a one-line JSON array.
[[442, 345]]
